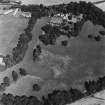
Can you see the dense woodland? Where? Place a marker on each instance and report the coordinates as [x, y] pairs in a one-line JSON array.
[[53, 32], [57, 97]]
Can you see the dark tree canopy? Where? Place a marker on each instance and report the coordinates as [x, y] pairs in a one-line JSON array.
[[14, 75]]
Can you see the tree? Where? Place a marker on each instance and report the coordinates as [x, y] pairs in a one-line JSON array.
[[64, 43], [97, 38], [2, 87], [36, 87], [14, 75], [22, 72], [102, 33], [6, 80], [36, 52]]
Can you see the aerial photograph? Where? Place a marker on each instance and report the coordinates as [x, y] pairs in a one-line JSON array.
[[52, 52]]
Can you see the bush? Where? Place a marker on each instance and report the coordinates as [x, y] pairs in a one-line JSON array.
[[36, 87], [90, 36], [97, 38], [64, 43]]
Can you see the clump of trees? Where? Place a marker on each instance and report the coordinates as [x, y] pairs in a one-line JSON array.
[[5, 83], [36, 52], [6, 80], [64, 42], [95, 86], [51, 33], [58, 97], [102, 33], [22, 72], [63, 97], [9, 99], [97, 38], [36, 87]]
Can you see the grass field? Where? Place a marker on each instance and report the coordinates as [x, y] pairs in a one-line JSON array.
[[87, 59], [87, 62], [10, 28]]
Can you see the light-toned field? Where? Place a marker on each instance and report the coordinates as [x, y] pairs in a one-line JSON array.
[[10, 28]]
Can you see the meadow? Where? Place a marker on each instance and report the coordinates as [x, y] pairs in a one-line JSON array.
[[86, 63], [85, 58]]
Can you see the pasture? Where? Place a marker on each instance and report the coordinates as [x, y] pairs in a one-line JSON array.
[[84, 57], [10, 29]]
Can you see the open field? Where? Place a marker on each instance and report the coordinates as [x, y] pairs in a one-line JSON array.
[[10, 28], [86, 62], [58, 66], [87, 56], [34, 70]]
